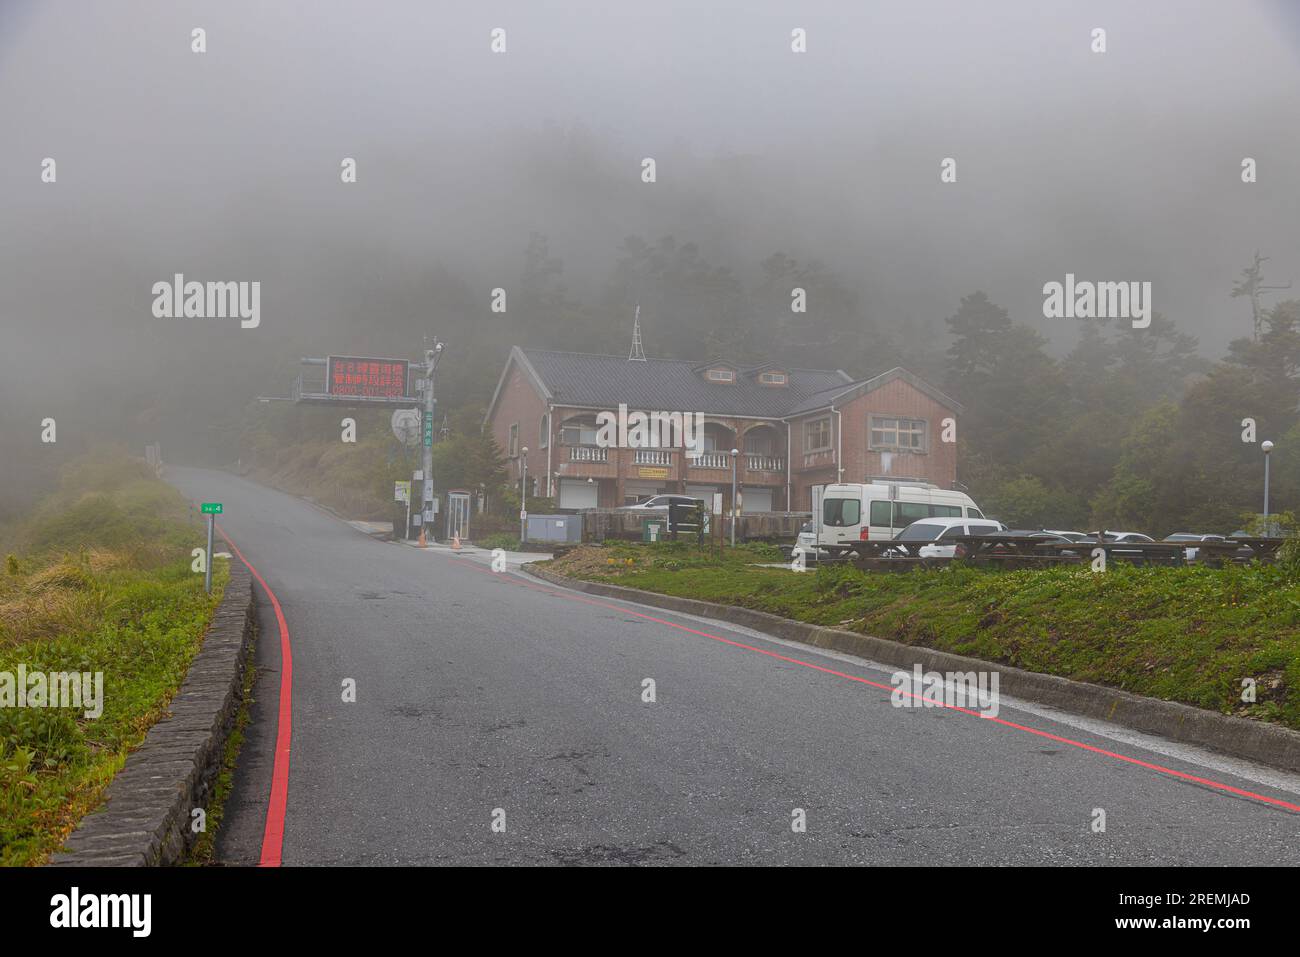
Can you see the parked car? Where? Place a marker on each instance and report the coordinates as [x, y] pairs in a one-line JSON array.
[[1068, 536], [1124, 538], [663, 501], [1190, 551], [854, 512], [806, 541], [934, 538]]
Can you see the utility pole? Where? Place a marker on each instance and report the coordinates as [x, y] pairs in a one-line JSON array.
[[735, 453], [1252, 285], [1267, 448], [523, 496], [431, 357]]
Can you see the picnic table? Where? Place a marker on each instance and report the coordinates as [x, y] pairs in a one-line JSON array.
[[1230, 550], [872, 557], [1015, 549], [1139, 553]]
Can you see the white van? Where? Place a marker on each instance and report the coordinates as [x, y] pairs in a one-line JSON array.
[[852, 513]]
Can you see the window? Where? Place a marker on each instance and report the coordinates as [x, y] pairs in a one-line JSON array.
[[919, 532], [893, 433], [721, 375], [841, 512], [905, 513], [954, 532], [578, 435], [544, 432], [817, 434], [514, 440], [772, 378], [974, 513]]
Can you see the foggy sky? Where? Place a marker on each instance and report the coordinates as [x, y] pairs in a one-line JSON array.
[[1120, 166]]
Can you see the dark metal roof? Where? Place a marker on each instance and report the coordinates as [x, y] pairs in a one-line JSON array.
[[847, 393], [678, 385], [674, 385]]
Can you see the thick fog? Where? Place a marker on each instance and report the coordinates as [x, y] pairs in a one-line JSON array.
[[226, 166]]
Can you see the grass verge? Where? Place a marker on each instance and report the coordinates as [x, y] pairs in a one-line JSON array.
[[1192, 635], [99, 582]]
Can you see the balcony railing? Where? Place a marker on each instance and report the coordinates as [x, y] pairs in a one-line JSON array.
[[819, 457], [588, 453], [652, 457], [764, 463], [710, 460]]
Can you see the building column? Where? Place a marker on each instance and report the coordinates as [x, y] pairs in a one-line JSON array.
[[618, 472]]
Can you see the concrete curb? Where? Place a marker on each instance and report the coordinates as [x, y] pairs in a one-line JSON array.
[[1265, 743], [145, 820]]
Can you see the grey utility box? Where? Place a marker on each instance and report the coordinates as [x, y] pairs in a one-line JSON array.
[[555, 528]]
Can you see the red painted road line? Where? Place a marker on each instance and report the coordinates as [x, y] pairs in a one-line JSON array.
[[1181, 775], [273, 835]]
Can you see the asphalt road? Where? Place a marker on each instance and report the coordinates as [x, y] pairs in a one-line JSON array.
[[479, 691]]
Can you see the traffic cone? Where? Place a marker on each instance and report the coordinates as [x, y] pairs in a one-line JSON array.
[[423, 544], [455, 541]]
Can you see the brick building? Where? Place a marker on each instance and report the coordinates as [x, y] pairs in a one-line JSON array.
[[795, 429]]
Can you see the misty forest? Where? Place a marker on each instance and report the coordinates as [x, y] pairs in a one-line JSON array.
[[530, 182]]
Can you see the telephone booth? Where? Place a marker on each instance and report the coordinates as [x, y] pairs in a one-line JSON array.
[[458, 509]]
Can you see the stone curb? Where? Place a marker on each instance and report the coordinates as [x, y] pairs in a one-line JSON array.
[[1254, 740], [145, 819]]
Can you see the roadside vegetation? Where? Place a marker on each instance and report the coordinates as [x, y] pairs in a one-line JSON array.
[[96, 579], [299, 450], [1182, 634]]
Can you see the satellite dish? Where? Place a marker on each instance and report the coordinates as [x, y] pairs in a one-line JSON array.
[[406, 426]]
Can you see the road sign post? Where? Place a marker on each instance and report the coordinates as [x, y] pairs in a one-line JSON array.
[[402, 493], [431, 357], [211, 510]]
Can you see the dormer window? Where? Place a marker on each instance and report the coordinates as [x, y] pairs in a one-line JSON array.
[[720, 375], [772, 378]]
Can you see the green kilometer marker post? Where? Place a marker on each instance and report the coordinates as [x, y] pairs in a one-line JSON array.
[[210, 509]]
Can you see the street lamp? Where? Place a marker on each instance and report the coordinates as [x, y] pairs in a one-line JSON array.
[[735, 453], [523, 495], [1267, 447]]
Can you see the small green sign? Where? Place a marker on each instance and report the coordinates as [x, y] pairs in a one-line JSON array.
[[211, 508]]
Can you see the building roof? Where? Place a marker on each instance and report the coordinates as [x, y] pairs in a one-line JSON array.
[[842, 394], [678, 385]]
